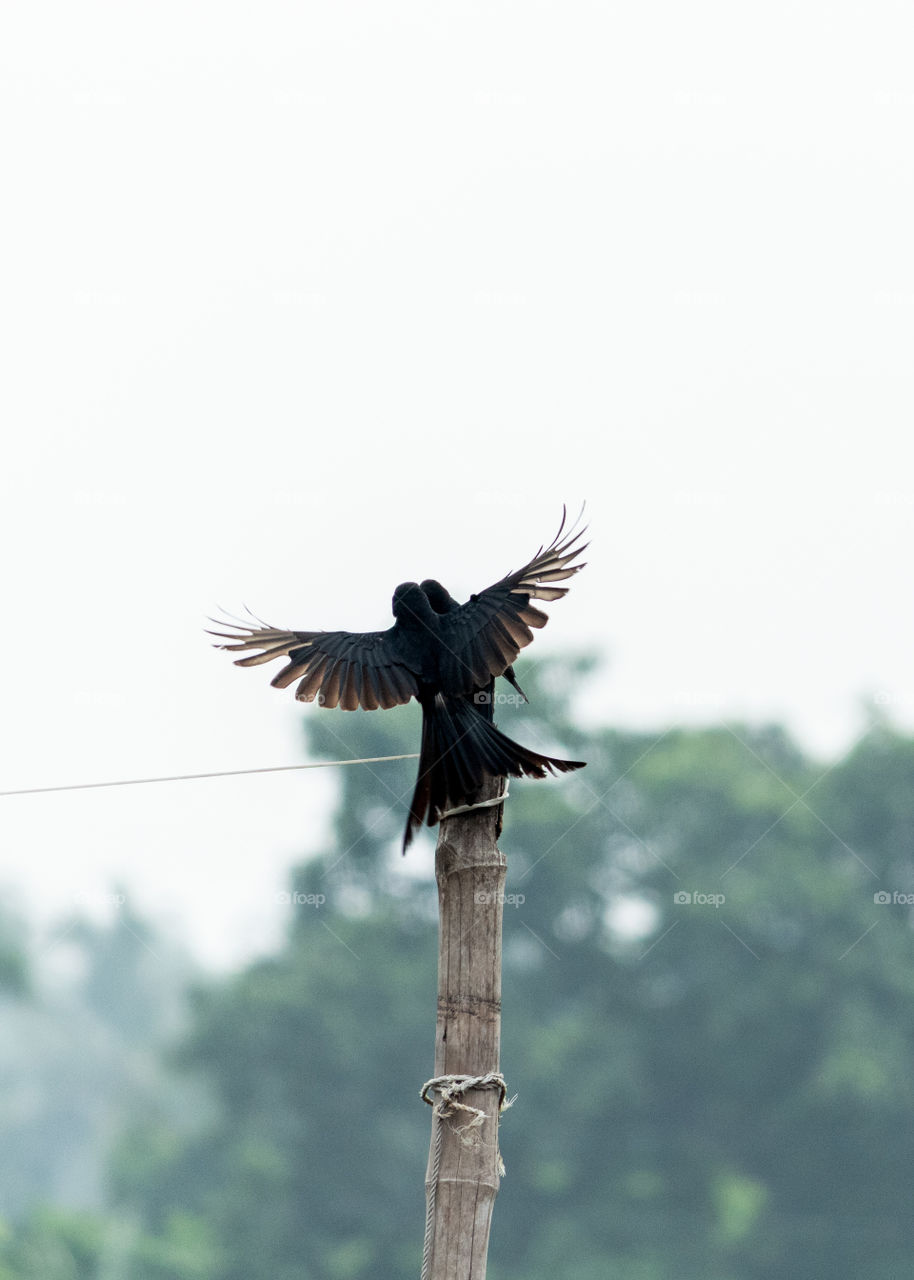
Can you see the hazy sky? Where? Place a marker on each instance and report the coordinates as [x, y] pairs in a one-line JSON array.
[[300, 301]]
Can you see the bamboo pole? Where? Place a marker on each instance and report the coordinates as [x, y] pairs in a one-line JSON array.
[[470, 871]]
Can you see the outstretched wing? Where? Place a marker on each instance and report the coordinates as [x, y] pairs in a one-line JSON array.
[[348, 669], [484, 636]]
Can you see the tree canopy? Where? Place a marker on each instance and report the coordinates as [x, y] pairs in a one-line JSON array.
[[708, 1019]]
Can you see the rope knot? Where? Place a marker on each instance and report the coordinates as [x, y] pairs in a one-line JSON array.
[[450, 1090]]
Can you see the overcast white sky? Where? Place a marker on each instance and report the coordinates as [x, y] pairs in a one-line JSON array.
[[300, 301]]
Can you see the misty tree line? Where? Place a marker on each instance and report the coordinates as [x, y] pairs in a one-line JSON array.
[[708, 1019]]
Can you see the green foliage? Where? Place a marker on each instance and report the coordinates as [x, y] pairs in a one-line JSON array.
[[311, 1053], [55, 1245], [713, 1089]]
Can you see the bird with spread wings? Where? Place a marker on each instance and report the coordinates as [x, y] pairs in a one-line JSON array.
[[444, 654]]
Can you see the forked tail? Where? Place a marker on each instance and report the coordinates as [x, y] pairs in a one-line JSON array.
[[460, 748]]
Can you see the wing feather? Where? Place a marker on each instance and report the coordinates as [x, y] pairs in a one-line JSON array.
[[388, 695], [368, 695], [485, 635], [346, 668], [309, 687]]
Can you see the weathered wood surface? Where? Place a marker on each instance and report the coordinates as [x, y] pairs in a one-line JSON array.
[[470, 872]]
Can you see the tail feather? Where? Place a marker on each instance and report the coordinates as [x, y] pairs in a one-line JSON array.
[[511, 678], [460, 747]]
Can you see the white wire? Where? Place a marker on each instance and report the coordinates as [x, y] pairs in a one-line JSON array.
[[189, 777]]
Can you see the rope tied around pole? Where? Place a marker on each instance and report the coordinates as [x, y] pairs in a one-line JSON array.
[[450, 1090], [468, 808]]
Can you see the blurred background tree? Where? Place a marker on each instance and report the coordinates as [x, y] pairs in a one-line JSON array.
[[710, 1088]]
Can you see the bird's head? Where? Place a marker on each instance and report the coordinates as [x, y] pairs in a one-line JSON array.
[[438, 596], [410, 603]]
